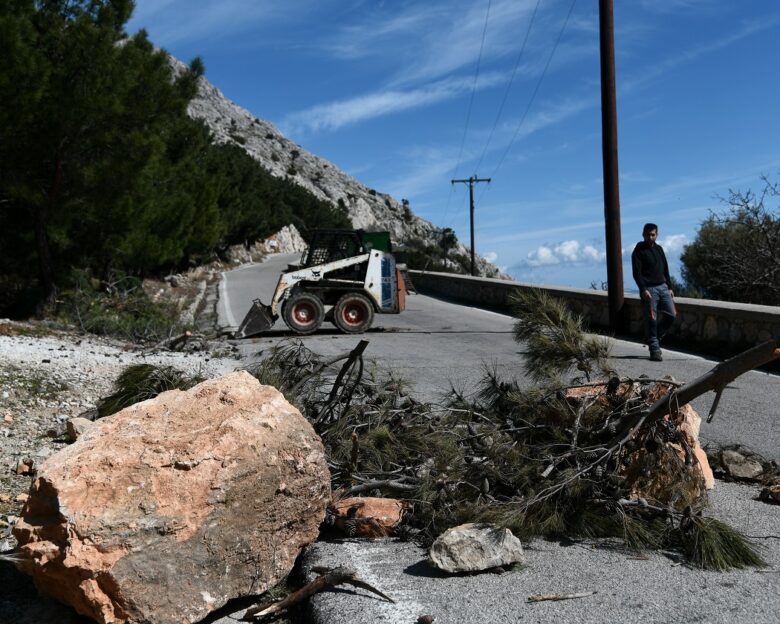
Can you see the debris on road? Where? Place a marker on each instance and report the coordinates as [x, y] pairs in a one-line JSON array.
[[605, 457], [770, 494], [474, 548], [328, 578], [739, 463], [367, 516], [544, 597]]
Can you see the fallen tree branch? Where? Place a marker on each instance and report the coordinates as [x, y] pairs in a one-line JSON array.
[[319, 367], [327, 578], [355, 357], [720, 376], [543, 597]]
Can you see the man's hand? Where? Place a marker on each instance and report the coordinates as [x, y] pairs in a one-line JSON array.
[[646, 295], [671, 293]]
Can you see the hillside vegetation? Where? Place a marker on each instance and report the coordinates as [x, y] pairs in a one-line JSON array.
[[101, 168]]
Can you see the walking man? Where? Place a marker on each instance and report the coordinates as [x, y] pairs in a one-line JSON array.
[[651, 274]]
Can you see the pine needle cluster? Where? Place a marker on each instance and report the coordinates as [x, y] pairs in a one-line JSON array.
[[554, 337], [139, 382]]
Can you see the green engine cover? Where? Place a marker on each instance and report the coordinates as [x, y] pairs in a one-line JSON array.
[[377, 240]]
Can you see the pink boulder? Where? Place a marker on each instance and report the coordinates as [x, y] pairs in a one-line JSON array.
[[166, 510]]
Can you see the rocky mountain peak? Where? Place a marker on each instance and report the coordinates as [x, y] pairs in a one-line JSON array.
[[368, 209]]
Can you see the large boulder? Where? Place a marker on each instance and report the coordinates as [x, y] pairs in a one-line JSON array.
[[658, 469], [166, 510]]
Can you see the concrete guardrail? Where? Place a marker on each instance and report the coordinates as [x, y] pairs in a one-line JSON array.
[[706, 326]]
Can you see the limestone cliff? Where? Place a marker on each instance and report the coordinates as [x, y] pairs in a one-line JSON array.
[[367, 208]]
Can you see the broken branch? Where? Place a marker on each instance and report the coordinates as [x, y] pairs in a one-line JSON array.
[[327, 578], [720, 376], [543, 597], [401, 485]]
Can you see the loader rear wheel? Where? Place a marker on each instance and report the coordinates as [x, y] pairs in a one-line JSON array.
[[303, 313], [353, 313]]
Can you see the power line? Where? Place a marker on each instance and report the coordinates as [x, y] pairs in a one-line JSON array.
[[471, 103], [536, 89], [509, 86]]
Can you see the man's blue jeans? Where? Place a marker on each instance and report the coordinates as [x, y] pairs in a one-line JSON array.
[[660, 314]]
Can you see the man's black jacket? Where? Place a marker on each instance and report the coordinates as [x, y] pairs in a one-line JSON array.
[[648, 263]]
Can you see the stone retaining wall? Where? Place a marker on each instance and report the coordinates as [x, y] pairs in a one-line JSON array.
[[706, 326]]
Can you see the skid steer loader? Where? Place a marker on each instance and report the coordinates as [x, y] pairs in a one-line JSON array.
[[345, 276]]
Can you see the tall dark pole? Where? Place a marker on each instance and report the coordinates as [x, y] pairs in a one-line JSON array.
[[610, 162], [471, 220], [471, 182]]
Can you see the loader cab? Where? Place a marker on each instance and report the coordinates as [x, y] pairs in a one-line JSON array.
[[329, 245]]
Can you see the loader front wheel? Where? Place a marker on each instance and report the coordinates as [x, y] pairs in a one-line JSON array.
[[303, 313], [353, 313]]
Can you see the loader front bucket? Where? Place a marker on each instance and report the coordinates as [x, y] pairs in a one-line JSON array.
[[257, 320]]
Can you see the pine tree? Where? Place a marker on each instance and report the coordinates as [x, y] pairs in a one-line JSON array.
[[88, 109]]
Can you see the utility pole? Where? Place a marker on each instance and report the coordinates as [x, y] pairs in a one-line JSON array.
[[471, 181], [610, 164]]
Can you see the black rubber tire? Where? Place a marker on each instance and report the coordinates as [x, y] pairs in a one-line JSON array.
[[303, 313], [353, 313]]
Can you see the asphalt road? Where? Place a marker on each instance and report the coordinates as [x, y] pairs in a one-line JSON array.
[[434, 343]]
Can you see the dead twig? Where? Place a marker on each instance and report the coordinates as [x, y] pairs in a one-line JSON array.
[[402, 485], [344, 397], [174, 343], [328, 578], [543, 597]]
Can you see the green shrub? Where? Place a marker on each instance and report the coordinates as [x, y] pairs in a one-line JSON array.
[[118, 307], [140, 382]]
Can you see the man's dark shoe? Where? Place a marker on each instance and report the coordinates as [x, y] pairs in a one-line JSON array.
[[656, 356]]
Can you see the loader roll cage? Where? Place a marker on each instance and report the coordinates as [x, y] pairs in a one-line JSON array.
[[329, 245]]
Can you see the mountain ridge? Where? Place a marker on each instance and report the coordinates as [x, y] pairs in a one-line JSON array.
[[367, 208]]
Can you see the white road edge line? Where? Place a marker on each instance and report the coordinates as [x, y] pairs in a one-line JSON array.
[[223, 297]]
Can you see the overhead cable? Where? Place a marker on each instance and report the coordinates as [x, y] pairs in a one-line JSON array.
[[509, 85], [536, 90], [471, 103]]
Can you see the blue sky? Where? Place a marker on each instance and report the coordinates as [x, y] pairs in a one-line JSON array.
[[406, 95]]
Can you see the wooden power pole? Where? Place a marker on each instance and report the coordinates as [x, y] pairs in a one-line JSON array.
[[471, 181], [610, 164]]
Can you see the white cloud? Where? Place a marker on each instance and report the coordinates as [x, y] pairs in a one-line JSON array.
[[673, 244], [675, 6], [566, 252], [438, 38], [424, 168], [591, 254], [542, 256], [341, 113], [490, 256]]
